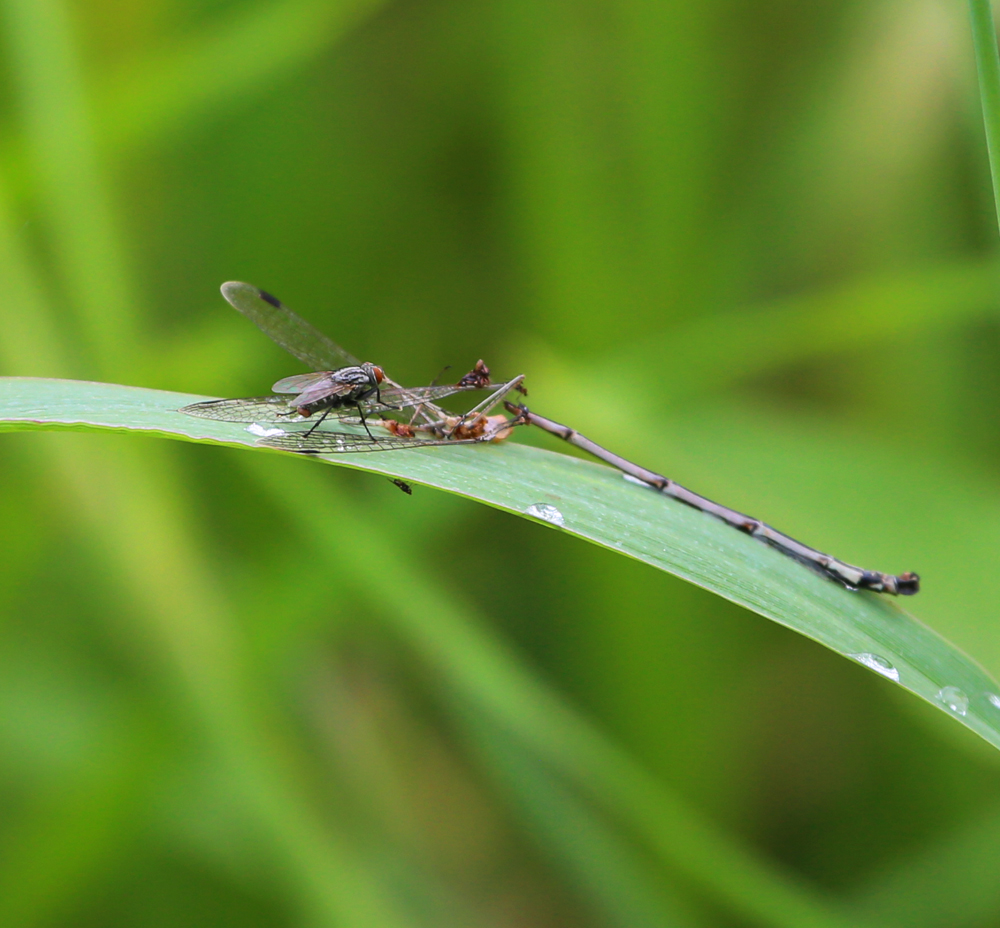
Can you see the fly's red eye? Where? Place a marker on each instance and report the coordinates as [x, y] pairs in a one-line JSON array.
[[379, 374]]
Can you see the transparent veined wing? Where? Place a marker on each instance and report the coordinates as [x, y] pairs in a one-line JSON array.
[[324, 442], [322, 391], [414, 396], [244, 409], [281, 325]]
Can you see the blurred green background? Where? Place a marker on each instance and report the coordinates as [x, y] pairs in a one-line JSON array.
[[761, 233]]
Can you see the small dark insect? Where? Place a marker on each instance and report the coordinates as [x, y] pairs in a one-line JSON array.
[[478, 377], [404, 486]]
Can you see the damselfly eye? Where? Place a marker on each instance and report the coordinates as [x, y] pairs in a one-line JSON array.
[[379, 374]]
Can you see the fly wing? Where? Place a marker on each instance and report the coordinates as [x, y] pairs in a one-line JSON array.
[[323, 442], [300, 382], [247, 409], [321, 391], [281, 325]]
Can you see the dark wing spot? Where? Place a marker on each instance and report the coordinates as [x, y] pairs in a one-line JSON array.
[[267, 298]]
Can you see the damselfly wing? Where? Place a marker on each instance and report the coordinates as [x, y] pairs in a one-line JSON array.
[[450, 431], [292, 332]]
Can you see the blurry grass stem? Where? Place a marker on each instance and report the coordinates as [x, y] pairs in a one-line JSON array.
[[163, 93], [988, 65]]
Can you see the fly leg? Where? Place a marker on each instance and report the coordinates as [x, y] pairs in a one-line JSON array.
[[364, 422], [319, 421], [378, 398]]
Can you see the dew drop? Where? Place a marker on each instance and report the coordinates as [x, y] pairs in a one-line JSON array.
[[255, 428], [546, 513], [878, 664], [954, 699], [994, 699]]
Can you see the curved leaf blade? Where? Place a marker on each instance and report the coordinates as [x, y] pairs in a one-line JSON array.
[[595, 503]]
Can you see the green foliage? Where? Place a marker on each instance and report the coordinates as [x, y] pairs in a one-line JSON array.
[[749, 245]]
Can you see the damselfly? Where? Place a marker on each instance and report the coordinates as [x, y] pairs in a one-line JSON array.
[[854, 578], [350, 391], [339, 385]]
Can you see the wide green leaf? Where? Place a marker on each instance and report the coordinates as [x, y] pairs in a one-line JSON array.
[[595, 503]]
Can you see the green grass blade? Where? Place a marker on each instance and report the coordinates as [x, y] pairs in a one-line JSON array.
[[164, 93], [72, 184], [988, 64], [593, 502], [714, 351]]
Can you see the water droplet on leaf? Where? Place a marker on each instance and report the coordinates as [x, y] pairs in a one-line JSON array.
[[255, 428], [954, 699], [546, 513], [878, 664]]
